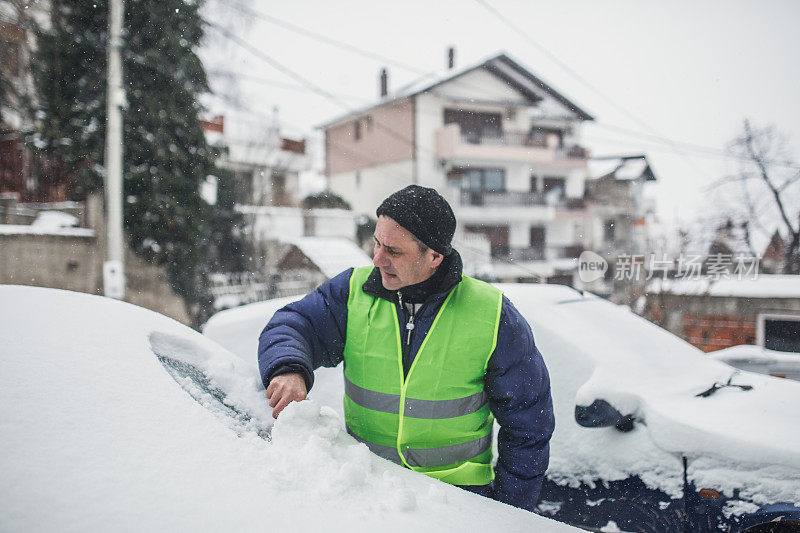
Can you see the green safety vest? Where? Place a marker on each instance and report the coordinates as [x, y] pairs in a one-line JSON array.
[[437, 419]]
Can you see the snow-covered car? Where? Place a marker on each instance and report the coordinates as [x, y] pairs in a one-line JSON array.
[[651, 433], [115, 418]]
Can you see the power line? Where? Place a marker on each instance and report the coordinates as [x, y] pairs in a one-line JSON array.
[[577, 76], [278, 65], [328, 40], [699, 149], [229, 74]]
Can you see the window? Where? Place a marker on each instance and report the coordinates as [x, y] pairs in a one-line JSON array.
[[537, 237], [475, 125], [609, 230], [496, 235], [539, 135], [534, 183], [555, 184], [537, 242], [357, 130], [779, 332], [484, 179], [11, 42]]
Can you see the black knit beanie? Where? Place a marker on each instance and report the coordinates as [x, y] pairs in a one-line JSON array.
[[423, 212]]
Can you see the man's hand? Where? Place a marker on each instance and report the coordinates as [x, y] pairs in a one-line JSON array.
[[283, 389]]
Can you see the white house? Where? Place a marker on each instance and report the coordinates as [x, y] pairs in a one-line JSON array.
[[500, 144]]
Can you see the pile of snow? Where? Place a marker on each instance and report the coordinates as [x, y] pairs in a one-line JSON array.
[[54, 220], [115, 417], [734, 439]]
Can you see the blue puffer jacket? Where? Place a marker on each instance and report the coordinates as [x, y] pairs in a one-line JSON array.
[[310, 333]]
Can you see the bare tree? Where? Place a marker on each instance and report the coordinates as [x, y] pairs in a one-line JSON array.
[[767, 188]]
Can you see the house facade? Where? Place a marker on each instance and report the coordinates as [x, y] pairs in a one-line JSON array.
[[500, 144], [256, 166], [616, 216]]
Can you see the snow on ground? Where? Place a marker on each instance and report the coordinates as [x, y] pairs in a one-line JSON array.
[[734, 439], [115, 417]]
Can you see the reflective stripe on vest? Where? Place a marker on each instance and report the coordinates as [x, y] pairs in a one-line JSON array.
[[432, 409], [436, 420]]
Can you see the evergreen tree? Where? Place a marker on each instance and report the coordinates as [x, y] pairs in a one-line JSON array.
[[165, 152]]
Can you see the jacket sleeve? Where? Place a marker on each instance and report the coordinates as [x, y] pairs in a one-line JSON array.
[[518, 387], [306, 334]]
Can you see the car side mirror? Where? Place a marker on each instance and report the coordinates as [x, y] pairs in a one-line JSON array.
[[600, 414]]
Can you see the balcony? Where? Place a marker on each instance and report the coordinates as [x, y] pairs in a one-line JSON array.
[[525, 254], [500, 198], [509, 146]]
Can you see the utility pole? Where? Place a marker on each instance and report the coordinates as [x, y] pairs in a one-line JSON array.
[[114, 267]]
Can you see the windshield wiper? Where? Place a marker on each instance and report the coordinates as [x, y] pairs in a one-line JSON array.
[[716, 386]]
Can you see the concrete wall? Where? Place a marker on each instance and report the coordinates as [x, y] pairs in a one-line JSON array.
[[365, 189], [60, 261], [72, 260]]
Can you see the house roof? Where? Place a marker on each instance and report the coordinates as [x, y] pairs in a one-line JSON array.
[[627, 168], [764, 286], [332, 255], [500, 65]]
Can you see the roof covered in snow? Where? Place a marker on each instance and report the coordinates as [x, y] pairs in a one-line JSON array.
[[626, 168], [764, 286], [330, 254], [500, 65]]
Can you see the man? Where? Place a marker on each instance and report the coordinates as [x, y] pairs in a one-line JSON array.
[[431, 358]]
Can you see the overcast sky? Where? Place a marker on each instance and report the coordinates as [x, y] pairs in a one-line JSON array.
[[687, 71]]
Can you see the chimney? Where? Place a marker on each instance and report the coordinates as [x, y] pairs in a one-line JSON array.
[[384, 83], [451, 58]]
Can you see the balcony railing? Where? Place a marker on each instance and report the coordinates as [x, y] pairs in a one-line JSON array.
[[571, 203], [525, 254], [501, 138], [566, 252], [501, 198], [521, 138], [572, 152]]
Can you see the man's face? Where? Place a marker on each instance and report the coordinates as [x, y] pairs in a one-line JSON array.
[[397, 255]]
